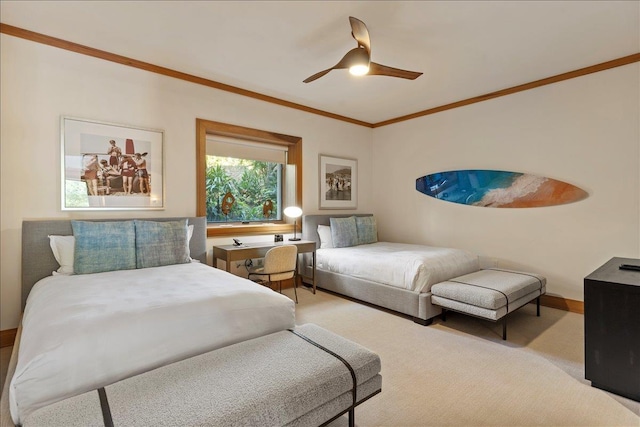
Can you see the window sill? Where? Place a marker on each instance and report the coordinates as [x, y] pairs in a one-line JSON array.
[[251, 229]]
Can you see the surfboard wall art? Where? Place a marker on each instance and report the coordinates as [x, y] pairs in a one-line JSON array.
[[498, 189]]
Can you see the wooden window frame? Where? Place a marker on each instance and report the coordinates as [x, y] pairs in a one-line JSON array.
[[294, 157]]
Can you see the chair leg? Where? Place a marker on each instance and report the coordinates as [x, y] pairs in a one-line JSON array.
[[295, 288]]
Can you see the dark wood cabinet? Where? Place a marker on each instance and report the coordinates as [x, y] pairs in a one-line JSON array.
[[612, 328]]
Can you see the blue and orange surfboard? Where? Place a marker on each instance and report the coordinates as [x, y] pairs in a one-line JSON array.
[[498, 189]]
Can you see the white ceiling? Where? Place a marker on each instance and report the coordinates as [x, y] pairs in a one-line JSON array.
[[464, 48]]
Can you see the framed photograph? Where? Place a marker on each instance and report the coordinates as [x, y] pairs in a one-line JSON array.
[[338, 183], [107, 166]]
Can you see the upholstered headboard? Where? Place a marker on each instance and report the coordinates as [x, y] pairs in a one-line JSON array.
[[310, 225], [38, 261]]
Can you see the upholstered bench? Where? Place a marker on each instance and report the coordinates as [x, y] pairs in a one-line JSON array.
[[302, 377], [489, 294]]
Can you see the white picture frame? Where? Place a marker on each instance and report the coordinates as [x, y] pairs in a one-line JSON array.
[[106, 166], [338, 183]]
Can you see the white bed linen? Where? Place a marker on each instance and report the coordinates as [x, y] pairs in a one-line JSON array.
[[86, 331], [402, 265]]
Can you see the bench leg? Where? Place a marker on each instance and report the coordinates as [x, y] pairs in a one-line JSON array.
[[352, 417], [504, 328], [538, 306]]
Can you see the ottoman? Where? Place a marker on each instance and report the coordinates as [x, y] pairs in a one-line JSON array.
[[307, 376], [489, 294]]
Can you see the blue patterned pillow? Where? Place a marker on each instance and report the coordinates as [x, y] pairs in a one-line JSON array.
[[103, 246], [161, 243], [344, 232], [367, 229]]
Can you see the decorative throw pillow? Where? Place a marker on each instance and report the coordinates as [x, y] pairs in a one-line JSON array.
[[62, 248], [344, 232], [367, 229], [63, 251], [103, 246], [324, 231], [161, 243]]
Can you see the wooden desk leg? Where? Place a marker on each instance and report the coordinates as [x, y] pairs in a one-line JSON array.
[[299, 280], [228, 263]]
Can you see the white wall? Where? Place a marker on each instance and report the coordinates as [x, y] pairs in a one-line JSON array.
[[39, 84], [584, 131]]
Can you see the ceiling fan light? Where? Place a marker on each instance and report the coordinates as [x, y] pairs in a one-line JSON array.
[[359, 70]]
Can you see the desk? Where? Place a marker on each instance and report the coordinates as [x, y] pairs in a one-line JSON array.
[[231, 253]]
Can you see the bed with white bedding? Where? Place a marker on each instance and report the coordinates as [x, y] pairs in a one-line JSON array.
[[84, 331], [395, 276]]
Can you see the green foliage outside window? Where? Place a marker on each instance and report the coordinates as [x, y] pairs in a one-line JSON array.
[[251, 182]]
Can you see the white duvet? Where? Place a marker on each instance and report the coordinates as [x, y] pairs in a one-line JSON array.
[[412, 267], [86, 331]]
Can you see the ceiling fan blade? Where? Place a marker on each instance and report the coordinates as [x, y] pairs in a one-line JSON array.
[[355, 55], [360, 32], [317, 75], [383, 70]]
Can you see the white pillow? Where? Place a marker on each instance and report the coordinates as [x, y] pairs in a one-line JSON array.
[[326, 242], [63, 247]]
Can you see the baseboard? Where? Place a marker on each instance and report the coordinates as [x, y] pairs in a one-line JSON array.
[[7, 337], [560, 303]]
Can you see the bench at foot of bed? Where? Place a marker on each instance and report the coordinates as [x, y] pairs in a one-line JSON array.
[[489, 294], [302, 377]]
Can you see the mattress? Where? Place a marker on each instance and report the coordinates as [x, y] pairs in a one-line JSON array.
[[412, 267], [83, 332]]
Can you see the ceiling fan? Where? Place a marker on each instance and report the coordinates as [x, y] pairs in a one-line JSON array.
[[358, 60]]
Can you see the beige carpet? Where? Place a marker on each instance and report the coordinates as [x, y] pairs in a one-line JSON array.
[[461, 373]]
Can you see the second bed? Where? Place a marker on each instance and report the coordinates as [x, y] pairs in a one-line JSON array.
[[395, 276]]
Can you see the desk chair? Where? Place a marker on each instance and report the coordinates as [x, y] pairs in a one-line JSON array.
[[280, 263]]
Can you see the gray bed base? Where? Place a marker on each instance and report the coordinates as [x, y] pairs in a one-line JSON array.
[[38, 261], [415, 304]]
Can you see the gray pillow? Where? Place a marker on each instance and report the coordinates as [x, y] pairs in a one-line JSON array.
[[367, 229], [344, 232], [161, 243], [103, 246]]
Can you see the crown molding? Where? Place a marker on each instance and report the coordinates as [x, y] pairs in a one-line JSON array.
[[96, 53], [625, 60], [108, 56]]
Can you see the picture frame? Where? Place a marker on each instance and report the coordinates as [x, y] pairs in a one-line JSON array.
[[107, 166], [338, 183]]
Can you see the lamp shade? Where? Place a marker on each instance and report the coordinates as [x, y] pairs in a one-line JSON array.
[[293, 212]]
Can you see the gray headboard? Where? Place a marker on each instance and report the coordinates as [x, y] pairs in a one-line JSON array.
[[38, 261], [310, 224]]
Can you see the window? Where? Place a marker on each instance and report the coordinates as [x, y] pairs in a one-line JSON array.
[[255, 167]]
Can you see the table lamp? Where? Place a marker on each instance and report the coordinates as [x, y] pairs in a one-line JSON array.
[[293, 212]]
